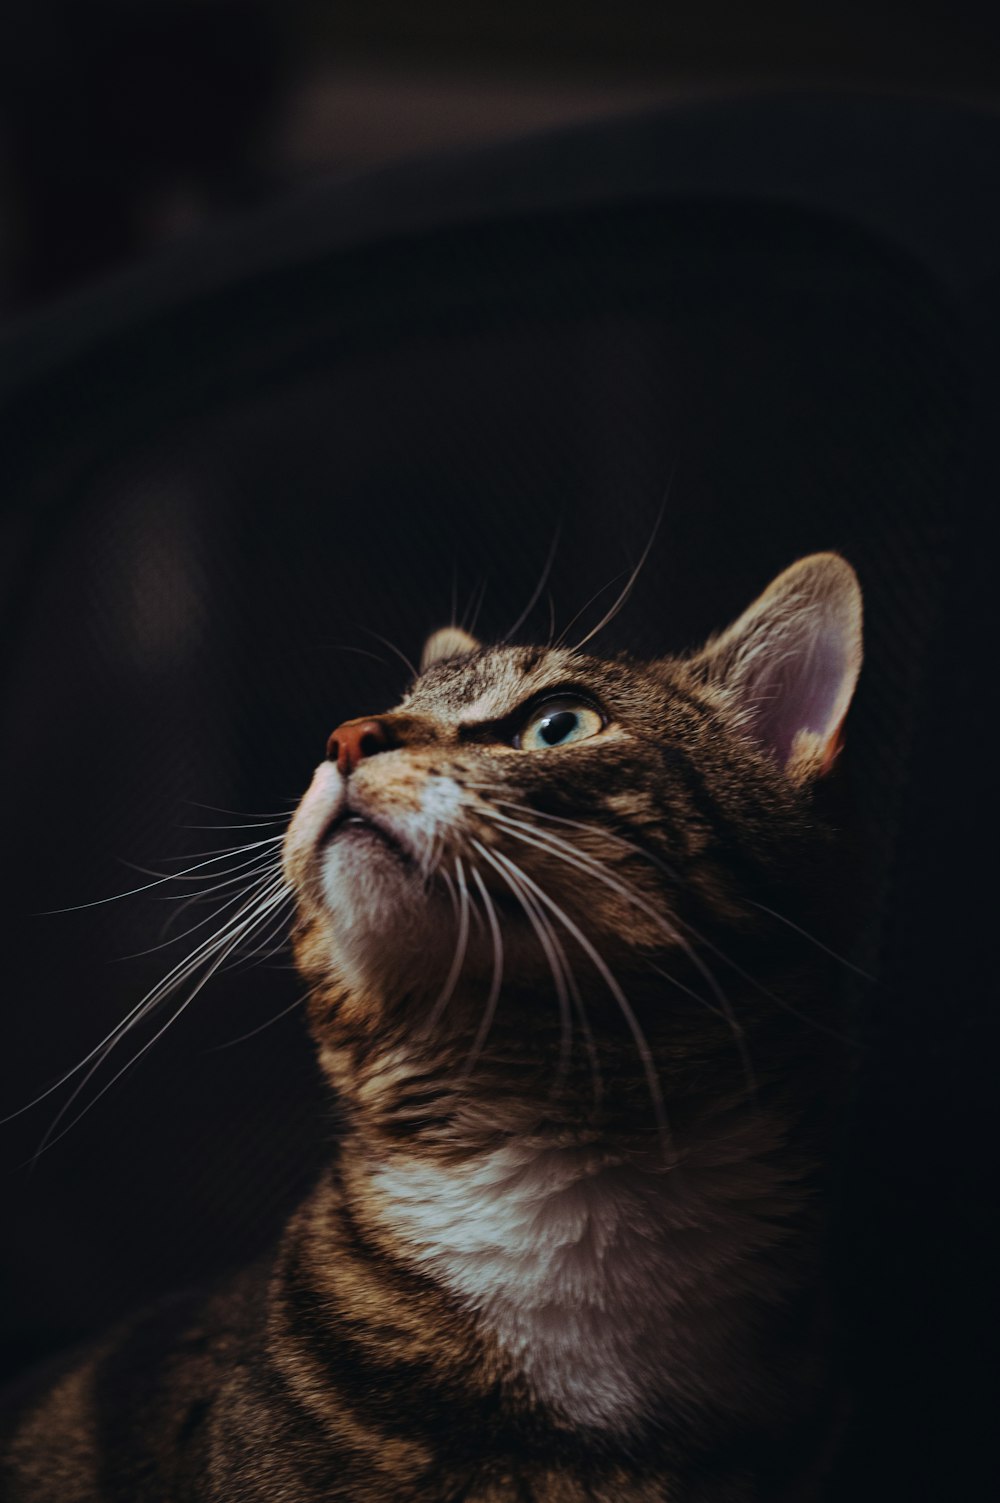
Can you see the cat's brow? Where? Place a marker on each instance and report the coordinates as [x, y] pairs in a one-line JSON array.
[[510, 687], [498, 705], [491, 689], [485, 710]]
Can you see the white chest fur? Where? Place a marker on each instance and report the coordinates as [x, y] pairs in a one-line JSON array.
[[581, 1269]]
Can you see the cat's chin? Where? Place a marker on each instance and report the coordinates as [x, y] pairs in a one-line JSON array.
[[366, 874], [381, 915], [355, 840]]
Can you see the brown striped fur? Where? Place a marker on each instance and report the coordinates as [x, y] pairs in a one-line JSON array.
[[568, 1246]]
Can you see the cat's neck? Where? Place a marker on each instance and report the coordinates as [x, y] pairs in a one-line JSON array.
[[602, 1280]]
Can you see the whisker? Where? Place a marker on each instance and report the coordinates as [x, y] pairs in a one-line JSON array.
[[685, 923], [392, 648], [610, 981], [257, 852], [269, 866], [461, 945], [545, 841], [446, 879], [573, 857], [471, 628], [256, 824], [276, 814], [588, 828], [174, 977], [610, 614], [224, 946], [496, 981], [585, 608], [265, 948], [552, 618], [562, 978], [539, 587], [674, 876], [176, 939], [227, 850], [565, 1045], [262, 1027], [865, 975], [185, 900], [360, 651], [51, 1136], [170, 877], [727, 960]]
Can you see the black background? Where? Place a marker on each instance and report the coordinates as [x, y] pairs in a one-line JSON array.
[[307, 406]]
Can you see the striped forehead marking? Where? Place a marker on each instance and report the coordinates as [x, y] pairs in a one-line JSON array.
[[498, 699], [490, 688]]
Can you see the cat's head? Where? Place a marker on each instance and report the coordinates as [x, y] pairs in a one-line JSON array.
[[540, 854]]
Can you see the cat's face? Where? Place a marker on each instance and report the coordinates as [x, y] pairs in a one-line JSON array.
[[528, 773], [536, 835]]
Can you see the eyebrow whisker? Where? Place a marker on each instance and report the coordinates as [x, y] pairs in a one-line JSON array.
[[539, 587]]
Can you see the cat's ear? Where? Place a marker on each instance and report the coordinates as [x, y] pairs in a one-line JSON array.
[[449, 642], [791, 662]]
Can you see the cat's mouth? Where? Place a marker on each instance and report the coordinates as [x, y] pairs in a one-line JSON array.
[[349, 825]]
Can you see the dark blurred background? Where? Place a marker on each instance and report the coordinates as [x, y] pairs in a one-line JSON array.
[[128, 124], [266, 388]]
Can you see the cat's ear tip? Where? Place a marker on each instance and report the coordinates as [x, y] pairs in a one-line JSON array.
[[825, 582], [825, 572], [446, 642], [823, 558]]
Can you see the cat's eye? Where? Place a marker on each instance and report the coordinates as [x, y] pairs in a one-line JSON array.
[[558, 722]]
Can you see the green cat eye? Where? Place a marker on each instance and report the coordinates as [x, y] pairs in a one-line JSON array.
[[558, 722]]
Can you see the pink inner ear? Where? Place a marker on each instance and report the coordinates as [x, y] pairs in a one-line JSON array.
[[800, 689]]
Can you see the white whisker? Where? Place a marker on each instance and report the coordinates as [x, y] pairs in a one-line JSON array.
[[813, 940], [461, 944], [242, 1038], [160, 880], [496, 981], [275, 814], [266, 948], [247, 874], [550, 844], [611, 982], [51, 1136], [562, 976], [686, 924], [479, 607], [257, 824], [586, 607], [176, 939], [610, 614], [539, 587], [392, 648], [224, 946], [174, 978]]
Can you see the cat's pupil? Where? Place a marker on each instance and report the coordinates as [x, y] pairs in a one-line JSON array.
[[555, 728]]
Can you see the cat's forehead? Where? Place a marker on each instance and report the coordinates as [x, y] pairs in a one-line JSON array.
[[490, 683]]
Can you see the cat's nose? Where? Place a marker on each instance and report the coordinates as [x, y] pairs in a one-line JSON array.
[[351, 742]]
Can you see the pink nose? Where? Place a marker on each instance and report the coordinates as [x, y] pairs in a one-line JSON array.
[[351, 742]]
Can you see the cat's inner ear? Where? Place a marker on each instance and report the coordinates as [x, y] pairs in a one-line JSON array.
[[448, 642], [791, 662]]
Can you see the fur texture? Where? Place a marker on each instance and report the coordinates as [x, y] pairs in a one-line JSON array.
[[555, 914]]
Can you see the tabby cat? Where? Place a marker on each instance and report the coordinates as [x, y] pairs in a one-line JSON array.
[[555, 913]]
